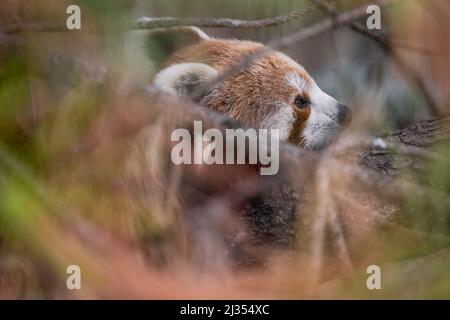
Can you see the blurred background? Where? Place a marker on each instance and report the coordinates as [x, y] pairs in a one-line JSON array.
[[83, 158]]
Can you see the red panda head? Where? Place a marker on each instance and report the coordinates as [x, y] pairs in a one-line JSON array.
[[272, 92]]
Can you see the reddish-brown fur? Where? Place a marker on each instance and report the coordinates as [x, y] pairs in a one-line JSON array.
[[250, 95]]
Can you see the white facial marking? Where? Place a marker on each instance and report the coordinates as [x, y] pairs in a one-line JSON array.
[[296, 81], [282, 119], [322, 123]]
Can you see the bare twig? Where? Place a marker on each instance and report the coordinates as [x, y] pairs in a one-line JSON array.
[[386, 42], [339, 20], [149, 23], [328, 8], [305, 33], [165, 22]]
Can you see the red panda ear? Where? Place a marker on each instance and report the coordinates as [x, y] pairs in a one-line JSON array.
[[186, 79], [196, 33], [161, 43]]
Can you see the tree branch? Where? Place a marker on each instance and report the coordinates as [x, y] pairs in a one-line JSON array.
[[388, 45], [149, 23], [339, 20], [165, 22]]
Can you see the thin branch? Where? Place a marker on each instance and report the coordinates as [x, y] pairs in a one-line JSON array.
[[305, 33], [386, 42], [328, 8], [149, 23], [165, 22], [339, 20]]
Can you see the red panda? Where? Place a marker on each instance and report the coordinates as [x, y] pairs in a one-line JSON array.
[[273, 92]]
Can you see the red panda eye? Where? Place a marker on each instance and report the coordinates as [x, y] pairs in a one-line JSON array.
[[301, 102]]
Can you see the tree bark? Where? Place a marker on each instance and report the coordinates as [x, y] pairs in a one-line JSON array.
[[413, 142]]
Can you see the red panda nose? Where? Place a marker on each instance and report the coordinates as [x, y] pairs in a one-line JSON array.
[[344, 115]]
